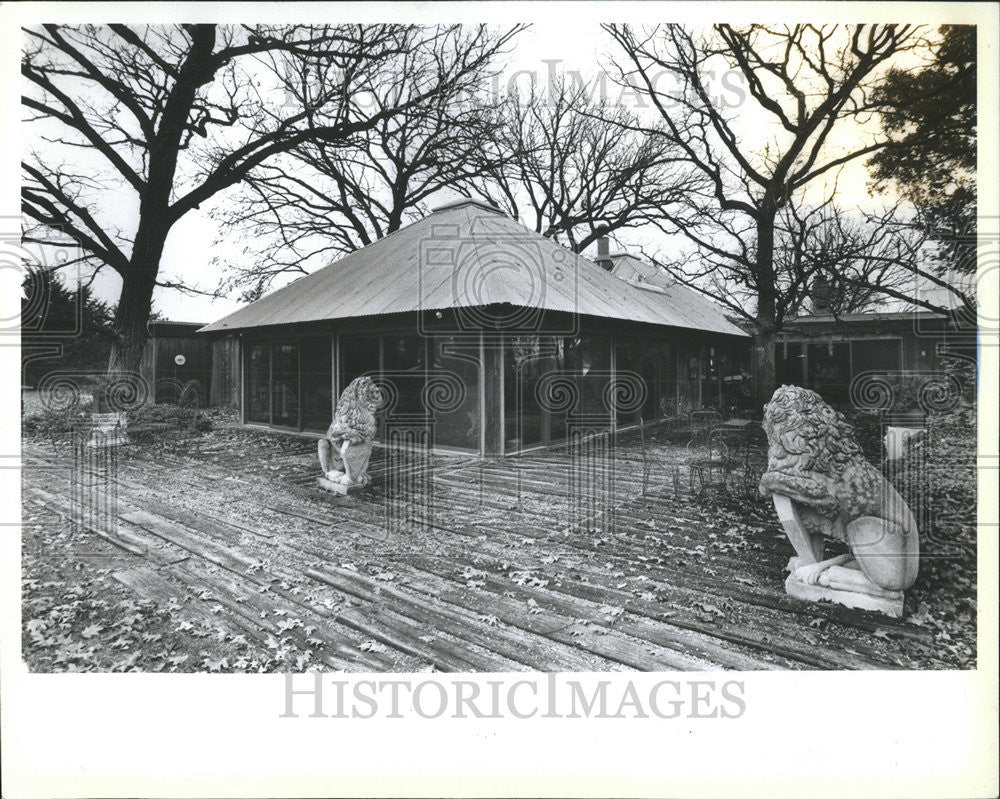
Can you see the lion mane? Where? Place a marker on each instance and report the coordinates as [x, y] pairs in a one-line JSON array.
[[814, 459], [354, 418]]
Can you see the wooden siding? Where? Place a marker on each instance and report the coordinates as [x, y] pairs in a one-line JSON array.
[[165, 377]]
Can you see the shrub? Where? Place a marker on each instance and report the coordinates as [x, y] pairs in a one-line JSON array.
[[144, 424], [868, 432], [55, 423], [938, 479], [173, 417]]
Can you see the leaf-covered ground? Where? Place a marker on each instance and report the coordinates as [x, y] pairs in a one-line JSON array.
[[504, 556]]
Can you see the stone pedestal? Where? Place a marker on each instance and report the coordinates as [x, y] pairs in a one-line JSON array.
[[108, 431], [338, 488], [851, 599], [896, 438]]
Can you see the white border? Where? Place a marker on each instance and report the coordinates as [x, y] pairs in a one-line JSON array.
[[830, 734]]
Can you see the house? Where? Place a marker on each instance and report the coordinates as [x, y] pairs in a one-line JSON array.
[[830, 353], [486, 338]]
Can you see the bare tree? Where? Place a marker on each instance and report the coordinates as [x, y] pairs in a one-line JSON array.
[[326, 198], [804, 83], [870, 257], [853, 259], [573, 168], [134, 127]]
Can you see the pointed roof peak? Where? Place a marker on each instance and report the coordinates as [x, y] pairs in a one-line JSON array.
[[464, 201]]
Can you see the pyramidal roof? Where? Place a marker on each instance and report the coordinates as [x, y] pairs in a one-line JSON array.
[[464, 254]]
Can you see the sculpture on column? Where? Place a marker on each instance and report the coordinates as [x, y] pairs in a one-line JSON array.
[[823, 488], [345, 451]]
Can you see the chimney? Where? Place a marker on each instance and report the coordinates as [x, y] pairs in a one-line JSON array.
[[821, 292], [603, 251]]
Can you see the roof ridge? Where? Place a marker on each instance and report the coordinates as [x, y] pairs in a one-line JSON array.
[[467, 201]]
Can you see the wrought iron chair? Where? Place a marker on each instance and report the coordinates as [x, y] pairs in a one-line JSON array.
[[710, 472], [673, 414]]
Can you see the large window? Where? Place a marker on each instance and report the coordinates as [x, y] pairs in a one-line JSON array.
[[689, 382], [711, 375], [659, 371], [589, 357], [359, 355], [788, 363], [628, 359], [289, 383], [455, 399], [654, 363], [527, 360], [876, 355], [317, 384], [829, 371], [404, 363], [285, 384], [258, 382], [549, 380], [404, 366]]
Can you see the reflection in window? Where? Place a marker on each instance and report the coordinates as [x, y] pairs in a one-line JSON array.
[[458, 365], [285, 384], [829, 371], [404, 364], [317, 384], [258, 374]]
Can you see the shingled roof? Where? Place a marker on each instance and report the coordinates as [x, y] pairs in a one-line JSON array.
[[467, 254]]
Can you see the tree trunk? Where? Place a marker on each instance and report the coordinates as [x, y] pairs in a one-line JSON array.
[[155, 220], [765, 377], [131, 318], [766, 322], [136, 299]]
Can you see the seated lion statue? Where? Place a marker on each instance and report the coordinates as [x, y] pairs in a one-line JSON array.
[[345, 451], [823, 487]]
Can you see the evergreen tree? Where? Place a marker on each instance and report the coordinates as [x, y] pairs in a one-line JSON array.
[[931, 115], [62, 328]]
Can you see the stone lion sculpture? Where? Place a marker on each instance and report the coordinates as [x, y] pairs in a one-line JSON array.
[[345, 451], [824, 488]]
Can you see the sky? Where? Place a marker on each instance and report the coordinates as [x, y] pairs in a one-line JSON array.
[[541, 52], [190, 247]]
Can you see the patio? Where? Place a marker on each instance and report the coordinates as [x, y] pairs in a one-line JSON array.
[[237, 562]]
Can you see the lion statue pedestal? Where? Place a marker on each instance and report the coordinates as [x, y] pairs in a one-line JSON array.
[[108, 430], [345, 451], [823, 488]]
